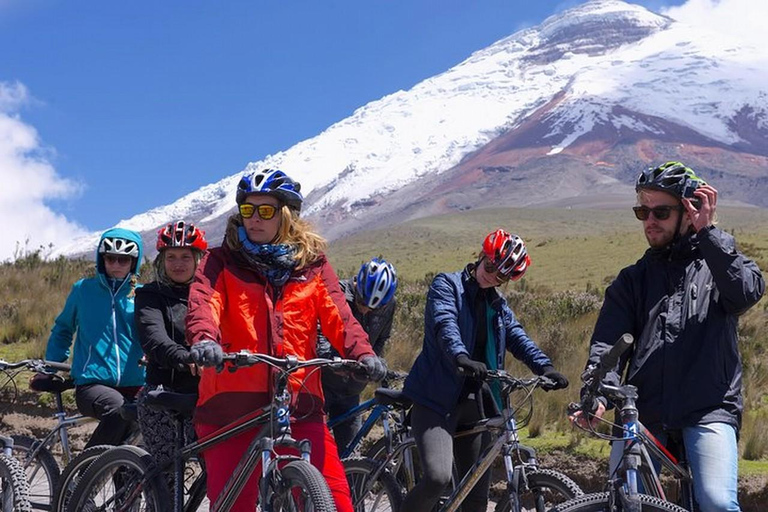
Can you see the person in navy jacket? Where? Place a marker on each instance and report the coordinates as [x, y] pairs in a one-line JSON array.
[[468, 326]]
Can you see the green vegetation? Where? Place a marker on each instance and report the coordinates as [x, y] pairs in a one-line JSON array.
[[576, 254]]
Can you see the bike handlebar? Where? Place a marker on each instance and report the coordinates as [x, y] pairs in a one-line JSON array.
[[36, 365], [289, 363], [595, 373]]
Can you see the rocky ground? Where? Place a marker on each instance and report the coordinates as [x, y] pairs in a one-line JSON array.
[[37, 421]]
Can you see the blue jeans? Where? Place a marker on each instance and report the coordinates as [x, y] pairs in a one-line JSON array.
[[714, 460]]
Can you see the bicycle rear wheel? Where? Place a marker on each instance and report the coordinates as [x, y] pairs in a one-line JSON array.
[[72, 474], [42, 470], [383, 495], [14, 491], [298, 487], [546, 488], [116, 481], [600, 502]]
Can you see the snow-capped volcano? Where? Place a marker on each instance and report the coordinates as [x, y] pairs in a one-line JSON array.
[[570, 107]]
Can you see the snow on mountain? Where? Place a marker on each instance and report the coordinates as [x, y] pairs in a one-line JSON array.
[[594, 58]]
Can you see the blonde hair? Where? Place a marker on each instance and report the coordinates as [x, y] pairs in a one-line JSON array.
[[293, 231]]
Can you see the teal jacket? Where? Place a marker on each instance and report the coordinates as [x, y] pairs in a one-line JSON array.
[[100, 311]]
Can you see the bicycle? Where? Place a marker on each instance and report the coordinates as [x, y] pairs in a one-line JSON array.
[[528, 486], [636, 471], [14, 490], [377, 410], [126, 476], [42, 469]]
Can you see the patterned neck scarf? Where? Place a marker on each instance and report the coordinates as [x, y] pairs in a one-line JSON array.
[[274, 261]]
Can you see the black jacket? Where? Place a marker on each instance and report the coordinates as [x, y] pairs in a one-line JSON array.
[[682, 306], [160, 315], [377, 324]]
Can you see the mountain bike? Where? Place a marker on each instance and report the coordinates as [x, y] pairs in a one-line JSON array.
[[14, 491], [36, 456], [528, 487], [378, 411], [125, 477], [636, 472]]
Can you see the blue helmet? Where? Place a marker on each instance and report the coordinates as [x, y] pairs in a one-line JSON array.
[[376, 283], [272, 182]]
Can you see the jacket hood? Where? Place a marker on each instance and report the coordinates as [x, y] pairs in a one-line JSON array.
[[126, 234]]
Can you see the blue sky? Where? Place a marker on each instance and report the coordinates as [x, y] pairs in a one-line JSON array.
[[123, 106]]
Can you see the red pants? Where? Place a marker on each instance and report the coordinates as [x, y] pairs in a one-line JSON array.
[[220, 462]]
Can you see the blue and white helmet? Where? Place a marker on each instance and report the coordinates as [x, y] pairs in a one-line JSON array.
[[376, 283], [272, 182]]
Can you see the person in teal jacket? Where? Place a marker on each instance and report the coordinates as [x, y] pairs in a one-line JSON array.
[[99, 310]]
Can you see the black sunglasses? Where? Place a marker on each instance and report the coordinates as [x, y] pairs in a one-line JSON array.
[[265, 211], [120, 259], [660, 212], [491, 269]]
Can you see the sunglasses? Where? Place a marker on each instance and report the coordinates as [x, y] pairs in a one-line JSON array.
[[120, 259], [266, 211], [660, 212], [491, 270]]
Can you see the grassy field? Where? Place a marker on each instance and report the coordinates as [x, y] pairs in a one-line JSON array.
[[576, 253]]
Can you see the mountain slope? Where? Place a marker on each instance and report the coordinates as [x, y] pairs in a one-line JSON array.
[[571, 108]]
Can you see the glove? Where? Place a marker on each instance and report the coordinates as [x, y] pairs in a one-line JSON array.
[[375, 367], [471, 368], [560, 380], [207, 353]]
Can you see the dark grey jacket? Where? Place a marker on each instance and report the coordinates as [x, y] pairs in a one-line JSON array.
[[160, 314], [682, 306], [377, 324]]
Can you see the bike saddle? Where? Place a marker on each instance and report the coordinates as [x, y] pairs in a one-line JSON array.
[[51, 383], [386, 396], [181, 403]]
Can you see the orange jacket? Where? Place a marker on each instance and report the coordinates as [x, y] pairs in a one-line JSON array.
[[232, 304]]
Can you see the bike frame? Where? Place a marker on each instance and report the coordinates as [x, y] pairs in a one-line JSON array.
[[639, 448]]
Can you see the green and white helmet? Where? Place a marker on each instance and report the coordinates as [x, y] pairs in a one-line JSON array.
[[672, 177]]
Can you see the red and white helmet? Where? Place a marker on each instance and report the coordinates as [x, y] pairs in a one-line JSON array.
[[181, 234], [507, 253]]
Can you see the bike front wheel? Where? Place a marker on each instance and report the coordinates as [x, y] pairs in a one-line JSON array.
[[41, 469], [546, 488], [72, 474], [14, 492], [117, 481], [299, 486], [381, 495], [601, 502]]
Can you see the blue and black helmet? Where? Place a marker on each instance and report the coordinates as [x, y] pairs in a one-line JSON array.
[[272, 182], [376, 283], [672, 177]]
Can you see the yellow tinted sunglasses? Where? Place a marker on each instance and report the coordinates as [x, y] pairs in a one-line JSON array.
[[266, 211]]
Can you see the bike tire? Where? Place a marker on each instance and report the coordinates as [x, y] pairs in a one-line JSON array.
[[546, 488], [599, 502], [14, 489], [300, 486], [72, 474], [115, 476], [383, 496], [42, 470]]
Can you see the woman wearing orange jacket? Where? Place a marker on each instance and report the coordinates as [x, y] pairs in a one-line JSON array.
[[265, 290]]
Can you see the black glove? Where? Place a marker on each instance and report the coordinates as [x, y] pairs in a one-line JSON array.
[[374, 366], [471, 368], [560, 381], [207, 353]]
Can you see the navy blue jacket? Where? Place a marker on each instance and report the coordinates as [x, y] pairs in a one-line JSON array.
[[682, 305], [449, 330]]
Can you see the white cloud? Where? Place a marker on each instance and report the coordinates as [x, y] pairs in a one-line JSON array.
[[739, 19], [28, 179]]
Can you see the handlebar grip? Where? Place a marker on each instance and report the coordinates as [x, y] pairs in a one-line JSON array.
[[611, 358], [63, 367]]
